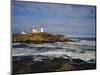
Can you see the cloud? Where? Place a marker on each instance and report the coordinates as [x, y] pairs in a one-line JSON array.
[[56, 18], [56, 9]]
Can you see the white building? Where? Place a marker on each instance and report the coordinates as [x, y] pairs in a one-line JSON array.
[[23, 32], [34, 30]]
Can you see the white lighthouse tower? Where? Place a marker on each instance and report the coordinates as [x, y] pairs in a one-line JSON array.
[[41, 29]]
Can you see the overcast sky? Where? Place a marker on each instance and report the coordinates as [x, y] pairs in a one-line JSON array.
[[70, 20]]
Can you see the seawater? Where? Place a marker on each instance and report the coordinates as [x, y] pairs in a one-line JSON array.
[[83, 49]]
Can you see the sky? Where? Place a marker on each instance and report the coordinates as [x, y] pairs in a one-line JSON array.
[[67, 19]]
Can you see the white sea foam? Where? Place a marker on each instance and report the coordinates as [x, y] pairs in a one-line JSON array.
[[84, 50], [84, 56]]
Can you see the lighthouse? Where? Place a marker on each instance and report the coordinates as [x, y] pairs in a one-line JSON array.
[[41, 29]]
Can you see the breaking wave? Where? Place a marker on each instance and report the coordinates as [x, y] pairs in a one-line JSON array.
[[84, 50]]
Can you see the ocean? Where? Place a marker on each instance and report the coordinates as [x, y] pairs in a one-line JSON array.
[[53, 57], [83, 49]]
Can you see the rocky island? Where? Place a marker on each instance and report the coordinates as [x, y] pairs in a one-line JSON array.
[[38, 38]]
